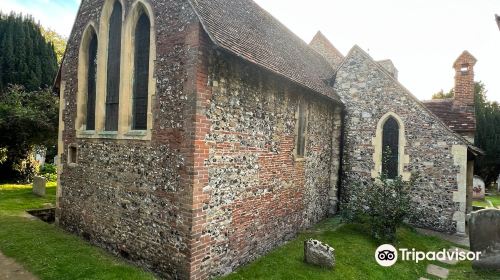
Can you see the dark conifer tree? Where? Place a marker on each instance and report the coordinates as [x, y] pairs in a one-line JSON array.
[[26, 58]]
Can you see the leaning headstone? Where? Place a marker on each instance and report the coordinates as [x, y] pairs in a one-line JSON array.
[[484, 235], [478, 189], [39, 186], [317, 253]]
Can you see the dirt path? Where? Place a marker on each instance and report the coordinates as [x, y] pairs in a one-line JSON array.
[[10, 270]]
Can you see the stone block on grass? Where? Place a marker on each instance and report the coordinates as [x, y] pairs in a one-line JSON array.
[[319, 254], [39, 185]]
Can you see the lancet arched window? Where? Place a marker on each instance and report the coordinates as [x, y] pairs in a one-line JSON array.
[[113, 68], [390, 148], [140, 95], [91, 81]]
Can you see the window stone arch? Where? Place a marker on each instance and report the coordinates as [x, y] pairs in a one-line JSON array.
[[390, 148], [87, 80], [386, 121], [103, 67], [113, 61], [138, 89]]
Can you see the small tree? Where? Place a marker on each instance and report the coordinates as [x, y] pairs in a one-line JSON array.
[[388, 206], [382, 202], [27, 119]]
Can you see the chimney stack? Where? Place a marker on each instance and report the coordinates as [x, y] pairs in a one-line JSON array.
[[464, 83]]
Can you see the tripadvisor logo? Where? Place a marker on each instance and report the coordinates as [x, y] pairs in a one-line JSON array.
[[387, 255]]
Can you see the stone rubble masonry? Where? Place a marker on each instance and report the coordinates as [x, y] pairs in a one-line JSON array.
[[317, 253], [251, 194], [389, 66], [135, 197], [369, 93], [218, 184]]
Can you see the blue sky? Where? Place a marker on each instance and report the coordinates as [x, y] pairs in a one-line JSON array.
[[59, 15], [423, 38]]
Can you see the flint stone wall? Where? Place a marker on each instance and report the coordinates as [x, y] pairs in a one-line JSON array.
[[254, 194], [369, 93], [134, 197], [217, 185]]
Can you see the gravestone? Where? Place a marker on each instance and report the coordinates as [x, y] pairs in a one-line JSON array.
[[478, 188], [319, 254], [484, 235], [498, 183], [39, 186]]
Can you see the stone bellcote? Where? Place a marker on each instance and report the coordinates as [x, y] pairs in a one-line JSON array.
[[464, 82]]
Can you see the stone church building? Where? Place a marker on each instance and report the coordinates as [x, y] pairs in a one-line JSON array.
[[197, 135]]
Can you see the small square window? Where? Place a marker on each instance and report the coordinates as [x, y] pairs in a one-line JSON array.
[[464, 69], [72, 155]]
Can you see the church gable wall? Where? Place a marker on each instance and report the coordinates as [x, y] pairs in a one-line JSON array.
[[369, 94], [133, 196]]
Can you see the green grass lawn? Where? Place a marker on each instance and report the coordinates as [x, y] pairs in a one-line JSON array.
[[50, 253], [15, 199], [494, 199], [481, 203], [355, 257], [47, 251]]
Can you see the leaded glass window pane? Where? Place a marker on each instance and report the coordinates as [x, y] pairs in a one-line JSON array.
[[113, 71], [301, 131], [390, 146], [141, 73], [91, 82]]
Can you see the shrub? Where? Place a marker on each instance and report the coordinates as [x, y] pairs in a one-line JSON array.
[[49, 171], [383, 203]]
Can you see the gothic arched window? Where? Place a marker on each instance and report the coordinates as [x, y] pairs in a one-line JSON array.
[[113, 68], [91, 82], [141, 73], [390, 148]]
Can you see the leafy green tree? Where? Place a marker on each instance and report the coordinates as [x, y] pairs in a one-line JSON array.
[[442, 95], [57, 40], [27, 119]]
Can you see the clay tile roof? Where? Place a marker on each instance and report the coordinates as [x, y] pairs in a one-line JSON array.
[[248, 31], [457, 120], [323, 46]]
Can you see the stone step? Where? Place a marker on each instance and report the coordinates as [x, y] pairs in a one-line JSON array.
[[438, 271]]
